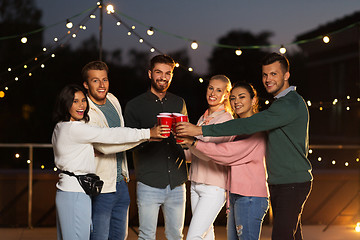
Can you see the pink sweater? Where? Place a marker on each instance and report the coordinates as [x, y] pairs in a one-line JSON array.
[[246, 157], [208, 172]]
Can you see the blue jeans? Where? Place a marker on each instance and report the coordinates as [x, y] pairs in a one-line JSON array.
[[110, 214], [246, 216], [172, 203], [73, 215]]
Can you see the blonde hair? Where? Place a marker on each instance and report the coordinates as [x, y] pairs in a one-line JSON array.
[[227, 81]]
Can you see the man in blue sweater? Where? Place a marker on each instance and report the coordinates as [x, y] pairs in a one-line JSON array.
[[287, 123]]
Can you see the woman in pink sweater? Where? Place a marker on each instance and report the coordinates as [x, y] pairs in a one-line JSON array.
[[246, 158], [208, 179]]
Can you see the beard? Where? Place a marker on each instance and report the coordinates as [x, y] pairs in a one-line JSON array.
[[160, 85]]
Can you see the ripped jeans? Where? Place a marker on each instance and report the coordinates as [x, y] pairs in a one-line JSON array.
[[246, 216]]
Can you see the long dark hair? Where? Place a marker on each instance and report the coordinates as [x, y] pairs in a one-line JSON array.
[[251, 90], [64, 102]]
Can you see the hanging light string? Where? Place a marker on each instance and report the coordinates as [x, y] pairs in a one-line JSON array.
[[46, 54], [143, 40], [235, 46], [132, 31], [47, 27]]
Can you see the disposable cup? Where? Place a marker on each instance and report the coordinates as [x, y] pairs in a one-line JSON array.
[[165, 120], [180, 118]]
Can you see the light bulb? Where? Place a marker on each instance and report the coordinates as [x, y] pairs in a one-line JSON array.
[[69, 24], [282, 49], [194, 45], [326, 39], [150, 31], [110, 9], [238, 52]]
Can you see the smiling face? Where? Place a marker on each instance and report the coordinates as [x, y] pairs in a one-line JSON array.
[[241, 102], [216, 92], [160, 76], [275, 78], [78, 106], [97, 85]]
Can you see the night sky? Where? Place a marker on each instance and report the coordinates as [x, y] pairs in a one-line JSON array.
[[202, 20]]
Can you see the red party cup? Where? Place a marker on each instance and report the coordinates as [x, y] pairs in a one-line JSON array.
[[180, 118], [165, 120]]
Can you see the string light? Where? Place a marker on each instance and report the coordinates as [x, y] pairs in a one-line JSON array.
[[201, 80], [309, 103], [238, 52], [310, 151], [28, 161], [2, 94], [25, 66], [56, 39], [44, 49], [92, 16], [194, 45], [190, 69], [282, 49], [267, 102], [326, 39], [150, 31], [110, 9], [152, 50], [141, 40], [42, 166], [74, 35], [333, 162], [16, 79], [9, 69], [177, 65], [17, 155], [319, 159], [42, 66], [118, 23], [357, 228], [55, 169], [129, 33], [69, 24], [24, 39], [346, 164]]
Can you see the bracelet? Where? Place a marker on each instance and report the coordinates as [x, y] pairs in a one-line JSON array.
[[193, 143]]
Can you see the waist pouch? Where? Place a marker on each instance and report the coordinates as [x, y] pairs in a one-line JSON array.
[[91, 183]]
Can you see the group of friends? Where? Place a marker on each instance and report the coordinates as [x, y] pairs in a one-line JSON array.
[[238, 155]]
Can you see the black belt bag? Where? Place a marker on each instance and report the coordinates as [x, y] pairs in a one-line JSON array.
[[91, 183]]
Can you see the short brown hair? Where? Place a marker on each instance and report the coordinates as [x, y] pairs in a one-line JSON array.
[[162, 59], [94, 65], [276, 57]]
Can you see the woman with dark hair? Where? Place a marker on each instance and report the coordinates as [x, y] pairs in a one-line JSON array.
[[72, 141], [246, 157]]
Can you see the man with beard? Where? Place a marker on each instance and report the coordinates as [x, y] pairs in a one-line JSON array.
[[160, 167]]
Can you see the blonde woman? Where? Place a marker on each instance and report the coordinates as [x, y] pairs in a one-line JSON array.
[[208, 179]]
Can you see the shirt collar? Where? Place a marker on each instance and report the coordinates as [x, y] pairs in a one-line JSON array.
[[155, 98], [286, 91]]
